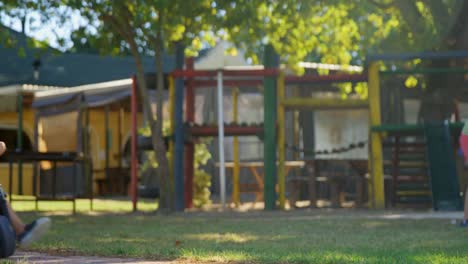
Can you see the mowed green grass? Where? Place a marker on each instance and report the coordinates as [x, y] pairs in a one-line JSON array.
[[316, 236], [84, 205]]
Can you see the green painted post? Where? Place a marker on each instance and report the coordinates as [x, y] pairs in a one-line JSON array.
[[19, 140], [269, 128]]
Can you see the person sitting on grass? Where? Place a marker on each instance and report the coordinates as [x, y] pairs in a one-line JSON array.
[[26, 233], [464, 147]]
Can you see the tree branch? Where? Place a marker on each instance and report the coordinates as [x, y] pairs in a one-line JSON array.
[[382, 5], [412, 16]]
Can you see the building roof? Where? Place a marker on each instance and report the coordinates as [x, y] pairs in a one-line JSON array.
[[66, 69]]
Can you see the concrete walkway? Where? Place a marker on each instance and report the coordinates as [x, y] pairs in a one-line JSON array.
[[41, 258]]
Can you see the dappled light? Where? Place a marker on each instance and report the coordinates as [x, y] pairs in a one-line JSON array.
[[225, 237], [364, 238]]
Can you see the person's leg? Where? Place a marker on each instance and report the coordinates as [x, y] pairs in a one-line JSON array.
[[464, 147], [16, 222], [28, 233]]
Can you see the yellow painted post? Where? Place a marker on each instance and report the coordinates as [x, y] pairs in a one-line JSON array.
[[281, 142], [296, 127], [236, 169], [171, 128], [376, 158]]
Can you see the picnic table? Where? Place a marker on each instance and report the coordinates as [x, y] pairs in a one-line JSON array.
[[257, 172], [314, 175]]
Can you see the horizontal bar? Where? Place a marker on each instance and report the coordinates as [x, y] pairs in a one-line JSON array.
[[231, 73], [411, 128], [58, 199], [228, 83], [425, 70], [420, 55], [324, 103], [228, 130], [326, 78]]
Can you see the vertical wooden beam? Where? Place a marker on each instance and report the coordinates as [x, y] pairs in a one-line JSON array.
[[171, 130], [376, 158], [281, 143], [269, 129], [189, 146], [120, 134], [179, 133], [134, 163], [107, 147], [120, 129], [296, 126], [236, 169], [395, 169], [19, 139]]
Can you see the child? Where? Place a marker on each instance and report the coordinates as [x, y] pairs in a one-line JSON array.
[[26, 233]]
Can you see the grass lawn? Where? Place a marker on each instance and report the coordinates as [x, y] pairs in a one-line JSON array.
[[83, 205], [316, 236]]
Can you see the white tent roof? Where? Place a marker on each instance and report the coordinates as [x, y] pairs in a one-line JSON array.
[[216, 58]]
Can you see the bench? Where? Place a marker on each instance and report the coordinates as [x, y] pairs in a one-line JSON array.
[[116, 183]]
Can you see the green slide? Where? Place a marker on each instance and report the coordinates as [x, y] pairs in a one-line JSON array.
[[442, 168]]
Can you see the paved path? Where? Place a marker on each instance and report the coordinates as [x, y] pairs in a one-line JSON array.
[[40, 258]]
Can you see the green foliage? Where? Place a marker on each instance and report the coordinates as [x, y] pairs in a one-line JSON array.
[[202, 180], [411, 82]]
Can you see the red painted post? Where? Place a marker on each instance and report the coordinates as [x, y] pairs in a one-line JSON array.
[[134, 162], [189, 147]]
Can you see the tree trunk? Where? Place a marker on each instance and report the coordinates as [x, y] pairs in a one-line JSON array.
[[156, 131], [166, 194]]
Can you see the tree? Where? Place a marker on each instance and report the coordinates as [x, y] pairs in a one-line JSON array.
[[342, 31], [118, 28], [144, 27]]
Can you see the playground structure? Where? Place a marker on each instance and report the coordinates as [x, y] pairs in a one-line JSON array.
[[274, 83], [209, 79], [422, 161]]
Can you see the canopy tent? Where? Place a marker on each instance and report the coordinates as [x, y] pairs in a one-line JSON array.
[[9, 95], [84, 96], [83, 119]]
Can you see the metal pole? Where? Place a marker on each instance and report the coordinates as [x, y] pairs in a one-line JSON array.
[[222, 172], [236, 169]]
